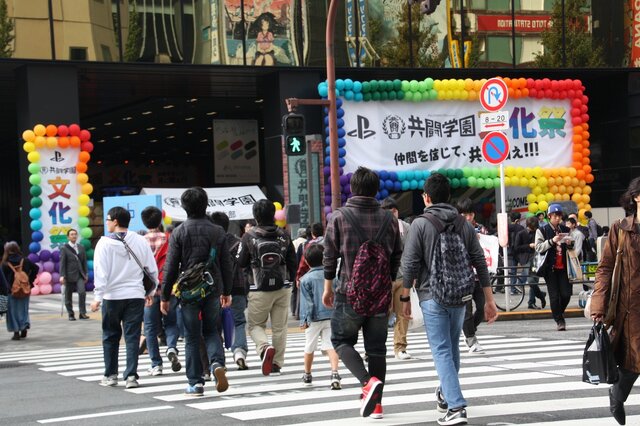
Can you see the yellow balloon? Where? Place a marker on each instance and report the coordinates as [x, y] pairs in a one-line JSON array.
[[540, 198], [562, 189], [581, 214], [40, 141], [553, 189], [509, 171], [587, 206], [572, 172], [278, 205], [538, 172], [586, 190], [533, 207], [580, 205], [543, 205], [39, 130], [586, 199], [33, 157], [528, 172], [524, 181], [83, 199], [519, 171], [542, 181], [52, 142], [29, 146], [551, 181], [569, 189], [532, 182], [86, 188], [576, 198], [565, 197], [82, 178], [28, 136], [536, 190], [281, 223], [566, 181], [167, 220], [577, 190], [548, 197], [531, 198], [83, 211], [557, 197]]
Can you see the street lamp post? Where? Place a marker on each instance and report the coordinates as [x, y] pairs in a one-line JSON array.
[[333, 118]]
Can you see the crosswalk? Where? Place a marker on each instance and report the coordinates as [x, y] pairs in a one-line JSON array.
[[517, 380]]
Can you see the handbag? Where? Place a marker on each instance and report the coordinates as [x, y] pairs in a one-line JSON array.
[[148, 281], [574, 270], [614, 288], [598, 363], [417, 319], [537, 266]]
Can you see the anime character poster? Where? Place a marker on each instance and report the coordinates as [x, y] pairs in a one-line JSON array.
[[268, 28]]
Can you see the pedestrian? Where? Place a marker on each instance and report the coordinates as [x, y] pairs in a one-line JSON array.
[[542, 218], [197, 241], [349, 227], [316, 236], [472, 319], [576, 235], [119, 290], [401, 324], [301, 239], [74, 274], [593, 229], [154, 321], [624, 238], [524, 247], [239, 290], [269, 252], [553, 239], [513, 229], [14, 262], [315, 318], [443, 323]]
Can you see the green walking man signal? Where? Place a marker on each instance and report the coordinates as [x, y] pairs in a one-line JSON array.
[[294, 134]]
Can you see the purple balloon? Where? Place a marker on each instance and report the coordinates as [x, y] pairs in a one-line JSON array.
[[57, 287], [90, 275], [343, 180], [55, 256], [346, 189], [327, 190], [45, 255], [34, 258], [48, 266], [327, 170], [55, 277], [89, 286], [327, 200], [327, 209], [56, 266], [329, 216]]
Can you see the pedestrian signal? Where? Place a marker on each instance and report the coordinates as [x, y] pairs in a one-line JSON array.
[[294, 134]]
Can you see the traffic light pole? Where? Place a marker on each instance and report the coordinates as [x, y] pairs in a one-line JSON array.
[[333, 117]]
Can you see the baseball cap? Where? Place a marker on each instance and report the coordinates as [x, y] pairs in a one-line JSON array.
[[554, 208]]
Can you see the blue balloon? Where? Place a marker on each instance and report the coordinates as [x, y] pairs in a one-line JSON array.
[[34, 247], [402, 175], [342, 133], [36, 225], [426, 173], [323, 91], [348, 95], [37, 236], [35, 213], [90, 274], [340, 122], [357, 86], [90, 264], [348, 84], [338, 103], [339, 113], [413, 184], [405, 185], [409, 174], [342, 162], [393, 176], [421, 183], [327, 161], [326, 120], [384, 194], [359, 97], [342, 152], [384, 175], [397, 186], [326, 130], [388, 185], [342, 142], [327, 151]]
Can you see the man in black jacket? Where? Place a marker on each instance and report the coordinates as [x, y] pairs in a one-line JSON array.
[[73, 274], [195, 241]]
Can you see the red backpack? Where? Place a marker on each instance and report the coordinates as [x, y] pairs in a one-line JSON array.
[[21, 286], [369, 289]]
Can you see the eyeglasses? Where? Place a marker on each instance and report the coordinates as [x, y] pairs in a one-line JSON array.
[[109, 219]]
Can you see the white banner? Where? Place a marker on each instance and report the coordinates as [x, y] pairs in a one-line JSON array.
[[490, 245], [237, 202], [236, 151], [446, 134], [59, 195]]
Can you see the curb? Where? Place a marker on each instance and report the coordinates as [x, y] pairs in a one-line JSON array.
[[537, 314]]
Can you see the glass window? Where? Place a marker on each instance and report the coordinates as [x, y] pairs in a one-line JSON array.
[[78, 53]]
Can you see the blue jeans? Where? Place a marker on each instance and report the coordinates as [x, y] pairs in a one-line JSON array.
[[238, 305], [443, 327], [153, 320], [207, 328], [117, 315]]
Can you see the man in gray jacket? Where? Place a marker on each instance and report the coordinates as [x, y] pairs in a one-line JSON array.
[[443, 323]]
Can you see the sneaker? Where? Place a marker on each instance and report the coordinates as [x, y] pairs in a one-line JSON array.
[[240, 359], [155, 371], [132, 383], [457, 417], [370, 396], [109, 381], [377, 412], [476, 348], [219, 376], [335, 381], [561, 326], [275, 370], [195, 390], [206, 376], [267, 360], [307, 379], [543, 300], [173, 358], [441, 404], [403, 355]]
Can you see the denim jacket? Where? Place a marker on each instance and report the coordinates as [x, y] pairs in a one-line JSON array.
[[311, 289]]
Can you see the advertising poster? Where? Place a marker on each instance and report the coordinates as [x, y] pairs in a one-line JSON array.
[[134, 204], [236, 155]]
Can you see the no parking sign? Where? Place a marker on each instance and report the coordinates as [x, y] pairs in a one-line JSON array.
[[495, 147]]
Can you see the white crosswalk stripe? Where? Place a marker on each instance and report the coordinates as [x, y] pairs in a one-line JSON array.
[[521, 378]]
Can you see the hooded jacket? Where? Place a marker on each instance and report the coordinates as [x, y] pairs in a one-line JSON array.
[[419, 245], [117, 276]]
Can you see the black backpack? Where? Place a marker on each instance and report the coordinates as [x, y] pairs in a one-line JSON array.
[[268, 259]]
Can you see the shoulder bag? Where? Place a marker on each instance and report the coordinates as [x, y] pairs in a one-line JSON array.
[[148, 281]]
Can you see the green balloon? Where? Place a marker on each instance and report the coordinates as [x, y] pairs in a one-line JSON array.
[[405, 86], [451, 173], [35, 179], [429, 82], [473, 181], [480, 182], [442, 171], [90, 254], [83, 221], [413, 85], [455, 183], [464, 182], [376, 96], [466, 172], [36, 202], [400, 94], [86, 243], [422, 86], [408, 96], [417, 97], [366, 87], [35, 191], [397, 84], [366, 97], [34, 168], [384, 96], [459, 173], [374, 85], [484, 172], [433, 94], [496, 182], [86, 232], [392, 95]]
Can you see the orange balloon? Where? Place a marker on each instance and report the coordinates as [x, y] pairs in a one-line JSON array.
[[587, 169], [507, 81], [585, 143], [40, 141], [63, 142], [577, 130], [523, 82], [577, 147], [577, 165], [75, 141], [562, 189], [586, 160], [566, 197], [84, 156], [586, 152], [518, 93], [575, 181], [551, 182], [81, 167], [577, 139], [580, 174], [585, 135], [512, 92], [585, 126], [566, 180], [51, 130], [577, 157], [525, 92]]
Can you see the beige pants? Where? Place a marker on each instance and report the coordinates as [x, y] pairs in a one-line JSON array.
[[265, 305], [402, 324]]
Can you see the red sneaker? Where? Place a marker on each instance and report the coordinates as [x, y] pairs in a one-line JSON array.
[[377, 412], [267, 360], [370, 396]]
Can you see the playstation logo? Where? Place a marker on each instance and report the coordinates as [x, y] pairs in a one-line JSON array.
[[362, 132], [57, 157]]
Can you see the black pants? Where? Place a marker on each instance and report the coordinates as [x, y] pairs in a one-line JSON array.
[[622, 388], [473, 319], [559, 290], [68, 294]]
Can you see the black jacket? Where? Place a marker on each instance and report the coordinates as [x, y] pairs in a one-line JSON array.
[[27, 266], [523, 252], [190, 244], [73, 267]]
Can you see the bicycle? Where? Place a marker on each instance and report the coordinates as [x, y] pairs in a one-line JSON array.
[[514, 296]]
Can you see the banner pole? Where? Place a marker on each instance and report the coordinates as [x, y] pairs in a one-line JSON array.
[[505, 258]]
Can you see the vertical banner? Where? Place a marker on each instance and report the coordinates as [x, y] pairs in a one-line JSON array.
[[60, 189], [635, 34], [214, 15], [236, 154], [298, 193]]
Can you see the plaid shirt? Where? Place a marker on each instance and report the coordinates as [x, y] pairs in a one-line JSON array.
[[341, 240], [156, 239]]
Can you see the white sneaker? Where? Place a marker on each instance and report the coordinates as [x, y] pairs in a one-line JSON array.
[[476, 348], [131, 382], [109, 381], [404, 355], [155, 371]]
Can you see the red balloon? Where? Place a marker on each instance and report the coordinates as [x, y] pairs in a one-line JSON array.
[[85, 135], [533, 92], [576, 103], [540, 94], [554, 85], [585, 118], [577, 84], [86, 146], [548, 93], [584, 108], [538, 85], [531, 83], [563, 94], [546, 83], [63, 130], [585, 99], [571, 93], [163, 213], [575, 112], [74, 130], [576, 121]]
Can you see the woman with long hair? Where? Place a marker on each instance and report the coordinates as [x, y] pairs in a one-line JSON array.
[[625, 332], [18, 308]]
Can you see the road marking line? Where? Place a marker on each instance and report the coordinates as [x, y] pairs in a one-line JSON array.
[[105, 414]]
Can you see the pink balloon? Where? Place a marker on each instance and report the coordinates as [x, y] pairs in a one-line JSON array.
[[279, 215], [46, 289], [45, 278], [35, 290]]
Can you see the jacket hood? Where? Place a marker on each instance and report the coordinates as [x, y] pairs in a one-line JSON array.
[[445, 212], [117, 244], [266, 231]]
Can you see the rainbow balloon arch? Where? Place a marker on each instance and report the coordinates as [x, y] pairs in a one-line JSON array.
[[406, 130], [60, 196]]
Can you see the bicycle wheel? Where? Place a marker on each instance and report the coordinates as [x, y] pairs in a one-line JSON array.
[[511, 298]]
